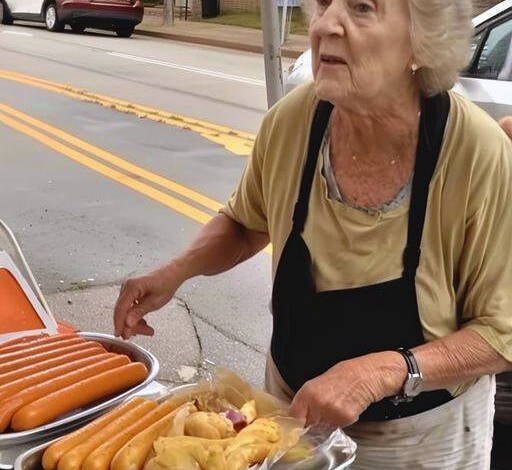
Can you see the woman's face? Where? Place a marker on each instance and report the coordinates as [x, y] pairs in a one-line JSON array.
[[361, 48]]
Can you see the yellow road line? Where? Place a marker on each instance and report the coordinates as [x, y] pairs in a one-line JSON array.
[[238, 142], [115, 160], [121, 178], [149, 191], [70, 89]]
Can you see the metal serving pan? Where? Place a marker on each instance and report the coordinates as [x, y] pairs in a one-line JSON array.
[[154, 391], [329, 458], [31, 460], [82, 415]]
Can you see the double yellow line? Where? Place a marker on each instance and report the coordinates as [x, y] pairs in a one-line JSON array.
[[237, 142], [190, 203], [113, 167], [48, 135]]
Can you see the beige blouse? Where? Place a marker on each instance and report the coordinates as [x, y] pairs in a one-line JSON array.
[[465, 275]]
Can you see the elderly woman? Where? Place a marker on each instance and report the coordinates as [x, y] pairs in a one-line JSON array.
[[388, 203]]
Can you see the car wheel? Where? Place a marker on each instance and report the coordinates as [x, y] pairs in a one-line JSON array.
[[5, 17], [124, 31], [51, 18], [77, 28]]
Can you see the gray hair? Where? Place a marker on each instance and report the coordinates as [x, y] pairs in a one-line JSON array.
[[440, 35]]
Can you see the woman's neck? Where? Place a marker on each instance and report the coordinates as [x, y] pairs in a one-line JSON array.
[[373, 151], [379, 126]]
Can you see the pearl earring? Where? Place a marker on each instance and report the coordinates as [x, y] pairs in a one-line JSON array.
[[414, 69]]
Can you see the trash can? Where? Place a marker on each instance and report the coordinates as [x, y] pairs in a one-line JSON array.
[[210, 8]]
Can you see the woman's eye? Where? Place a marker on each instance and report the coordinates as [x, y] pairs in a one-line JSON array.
[[323, 3], [364, 8]]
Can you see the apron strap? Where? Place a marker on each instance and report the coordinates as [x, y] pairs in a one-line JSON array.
[[316, 136], [435, 111]]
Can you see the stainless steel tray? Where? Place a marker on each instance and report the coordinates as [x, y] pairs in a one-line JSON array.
[[31, 460], [328, 459], [154, 391], [111, 344]]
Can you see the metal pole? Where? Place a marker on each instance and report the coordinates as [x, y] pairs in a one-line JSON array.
[[169, 12], [283, 21], [272, 51], [288, 31]]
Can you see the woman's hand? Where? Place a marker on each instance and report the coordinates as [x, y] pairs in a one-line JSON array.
[[142, 295], [221, 244], [340, 395], [506, 125]]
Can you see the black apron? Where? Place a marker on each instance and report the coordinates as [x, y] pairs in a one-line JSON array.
[[313, 330]]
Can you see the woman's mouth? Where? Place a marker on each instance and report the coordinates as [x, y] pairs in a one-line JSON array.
[[327, 59]]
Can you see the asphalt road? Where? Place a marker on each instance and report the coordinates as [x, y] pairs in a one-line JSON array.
[[96, 195], [185, 78]]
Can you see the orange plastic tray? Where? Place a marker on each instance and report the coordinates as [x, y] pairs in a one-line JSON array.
[[16, 311]]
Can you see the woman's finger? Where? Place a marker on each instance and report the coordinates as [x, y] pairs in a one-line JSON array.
[[142, 328], [314, 417], [126, 333], [126, 298], [138, 310], [299, 407]]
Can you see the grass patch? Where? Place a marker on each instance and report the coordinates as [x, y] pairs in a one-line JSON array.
[[251, 19]]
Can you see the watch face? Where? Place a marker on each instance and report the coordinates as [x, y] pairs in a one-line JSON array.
[[414, 385]]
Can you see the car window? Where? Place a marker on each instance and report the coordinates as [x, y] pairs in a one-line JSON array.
[[495, 61]]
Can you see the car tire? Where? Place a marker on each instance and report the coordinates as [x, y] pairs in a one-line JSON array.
[[124, 31], [51, 18], [5, 16], [77, 28]]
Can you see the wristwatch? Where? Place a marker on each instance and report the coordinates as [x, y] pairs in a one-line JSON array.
[[414, 384]]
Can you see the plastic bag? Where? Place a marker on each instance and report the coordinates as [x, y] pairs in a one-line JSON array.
[[318, 450], [298, 448]]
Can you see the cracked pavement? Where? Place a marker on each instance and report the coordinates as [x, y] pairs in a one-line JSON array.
[[183, 337]]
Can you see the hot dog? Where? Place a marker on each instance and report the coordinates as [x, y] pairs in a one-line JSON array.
[[26, 361], [133, 454], [48, 364], [32, 394], [13, 356], [101, 458], [73, 459], [19, 385], [4, 349], [53, 454], [78, 394], [24, 339]]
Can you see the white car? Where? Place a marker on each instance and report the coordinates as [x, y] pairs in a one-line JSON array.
[[488, 79]]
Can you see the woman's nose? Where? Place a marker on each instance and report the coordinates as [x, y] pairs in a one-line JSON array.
[[331, 21]]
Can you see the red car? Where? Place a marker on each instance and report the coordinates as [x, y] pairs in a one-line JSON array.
[[120, 16]]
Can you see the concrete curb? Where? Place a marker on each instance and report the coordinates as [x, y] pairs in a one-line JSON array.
[[285, 52]]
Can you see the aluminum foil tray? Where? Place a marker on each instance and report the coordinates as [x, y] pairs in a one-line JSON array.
[[82, 415]]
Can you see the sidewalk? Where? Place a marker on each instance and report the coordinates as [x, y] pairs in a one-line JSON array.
[[210, 34]]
